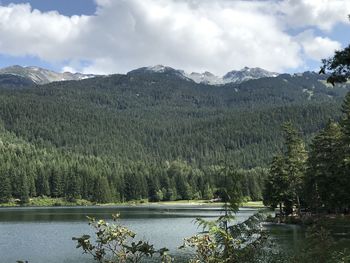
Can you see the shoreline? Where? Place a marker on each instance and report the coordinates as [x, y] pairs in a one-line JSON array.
[[60, 202]]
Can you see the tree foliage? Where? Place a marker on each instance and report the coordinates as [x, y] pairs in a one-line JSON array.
[[284, 185], [242, 242], [337, 66]]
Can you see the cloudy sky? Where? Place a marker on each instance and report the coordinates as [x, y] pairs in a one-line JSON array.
[[115, 36]]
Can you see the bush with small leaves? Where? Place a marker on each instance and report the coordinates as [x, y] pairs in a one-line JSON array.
[[114, 244]]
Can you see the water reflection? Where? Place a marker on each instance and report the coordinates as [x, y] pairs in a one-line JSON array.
[[44, 235], [80, 213]]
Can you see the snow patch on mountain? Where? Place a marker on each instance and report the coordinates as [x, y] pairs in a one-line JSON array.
[[205, 78], [235, 76], [245, 74]]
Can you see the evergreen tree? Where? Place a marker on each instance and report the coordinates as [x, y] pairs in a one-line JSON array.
[[171, 194], [23, 189], [56, 183], [208, 193], [187, 193], [344, 180], [345, 123], [42, 183], [72, 191], [102, 192], [277, 191], [131, 190], [229, 187], [153, 187], [295, 160], [324, 184], [5, 188]]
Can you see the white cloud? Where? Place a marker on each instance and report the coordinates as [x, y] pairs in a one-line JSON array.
[[317, 47], [215, 36], [198, 35], [68, 69], [323, 14], [24, 31]]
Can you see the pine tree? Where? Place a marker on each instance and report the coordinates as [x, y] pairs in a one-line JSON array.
[[171, 194], [42, 183], [345, 123], [187, 194], [276, 191], [295, 159], [324, 184], [72, 187], [56, 183], [153, 187], [24, 189], [102, 192], [208, 193], [229, 187], [5, 188], [345, 152]]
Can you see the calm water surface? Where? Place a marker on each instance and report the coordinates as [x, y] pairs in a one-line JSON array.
[[44, 235]]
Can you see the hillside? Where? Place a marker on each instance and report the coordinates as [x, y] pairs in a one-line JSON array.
[[128, 128], [156, 116], [14, 81]]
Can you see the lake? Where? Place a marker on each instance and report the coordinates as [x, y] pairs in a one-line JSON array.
[[44, 235]]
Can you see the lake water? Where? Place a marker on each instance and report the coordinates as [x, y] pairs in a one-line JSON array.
[[44, 235]]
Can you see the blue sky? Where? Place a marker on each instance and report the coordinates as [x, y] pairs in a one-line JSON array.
[[109, 36], [66, 7]]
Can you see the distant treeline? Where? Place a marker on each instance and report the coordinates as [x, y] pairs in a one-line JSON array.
[[27, 171]]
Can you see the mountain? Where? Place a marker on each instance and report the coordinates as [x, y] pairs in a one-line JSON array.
[[239, 76], [160, 69], [235, 76], [42, 76], [152, 130], [205, 78]]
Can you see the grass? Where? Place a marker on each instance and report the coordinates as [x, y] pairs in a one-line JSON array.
[[248, 204], [48, 201], [253, 204], [45, 201], [187, 202]]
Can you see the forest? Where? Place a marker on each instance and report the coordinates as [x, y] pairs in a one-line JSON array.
[[151, 136]]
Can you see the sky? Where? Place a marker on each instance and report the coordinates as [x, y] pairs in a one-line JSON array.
[[116, 36]]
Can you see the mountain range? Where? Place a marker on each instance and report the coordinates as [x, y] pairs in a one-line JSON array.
[[234, 76], [42, 76], [159, 113]]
